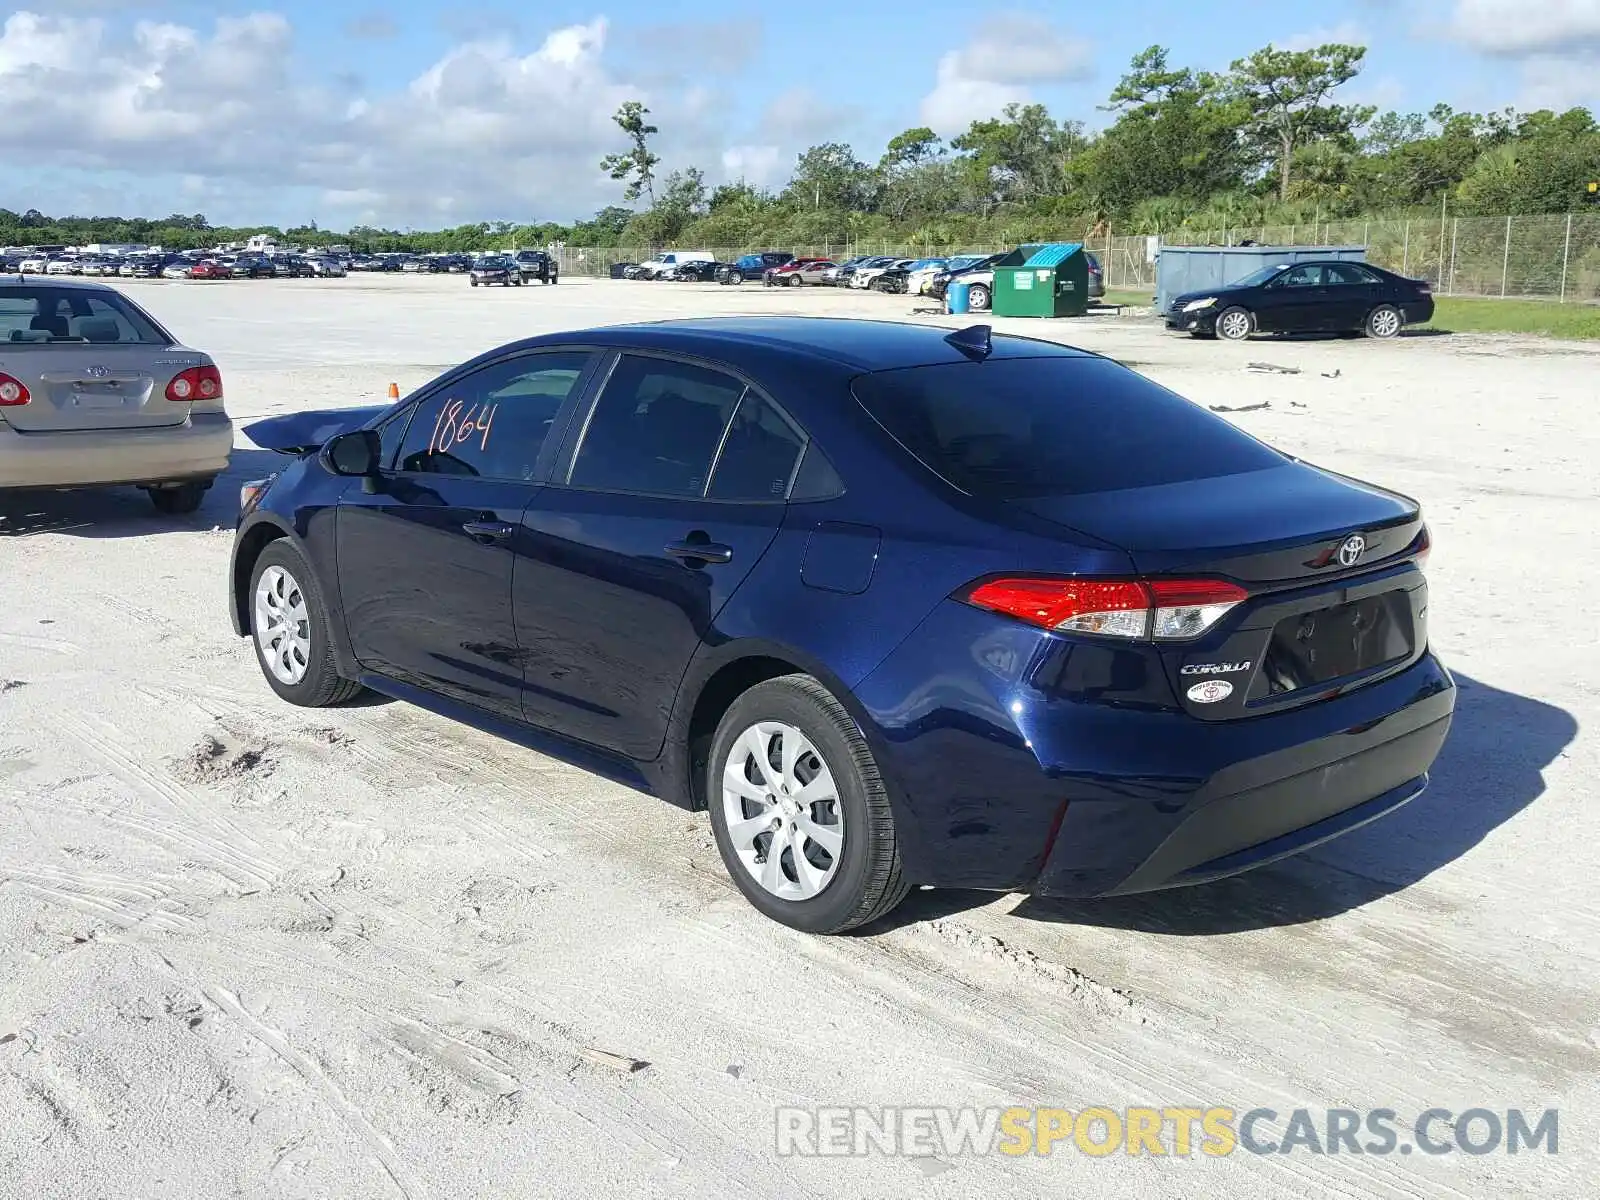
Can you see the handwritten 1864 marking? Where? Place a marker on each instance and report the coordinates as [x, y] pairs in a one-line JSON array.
[[451, 427]]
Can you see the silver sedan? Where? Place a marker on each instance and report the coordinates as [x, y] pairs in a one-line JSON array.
[[94, 391]]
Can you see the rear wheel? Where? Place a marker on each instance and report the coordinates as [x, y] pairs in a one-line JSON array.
[[1234, 324], [175, 501], [289, 625], [1384, 321], [799, 810]]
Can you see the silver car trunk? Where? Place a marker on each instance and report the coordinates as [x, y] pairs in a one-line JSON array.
[[89, 358]]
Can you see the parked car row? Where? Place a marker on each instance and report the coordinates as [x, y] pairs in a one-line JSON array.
[[929, 276], [191, 264]]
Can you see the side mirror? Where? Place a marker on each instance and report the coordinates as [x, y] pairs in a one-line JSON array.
[[355, 454]]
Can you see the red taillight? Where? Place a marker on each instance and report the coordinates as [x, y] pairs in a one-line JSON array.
[[1158, 609], [1422, 547], [13, 392], [197, 383]]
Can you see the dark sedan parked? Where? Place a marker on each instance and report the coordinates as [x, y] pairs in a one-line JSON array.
[[748, 267], [495, 268], [699, 272], [899, 606], [1307, 297]]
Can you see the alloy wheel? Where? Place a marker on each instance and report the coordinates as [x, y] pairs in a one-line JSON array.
[[282, 625], [782, 809], [1234, 325]]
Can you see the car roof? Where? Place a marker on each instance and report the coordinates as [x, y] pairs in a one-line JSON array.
[[57, 282], [863, 345]]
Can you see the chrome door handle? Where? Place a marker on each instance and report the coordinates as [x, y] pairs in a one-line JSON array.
[[711, 552], [488, 531]]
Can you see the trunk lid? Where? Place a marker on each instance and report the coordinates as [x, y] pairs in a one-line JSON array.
[[1337, 597], [78, 388]]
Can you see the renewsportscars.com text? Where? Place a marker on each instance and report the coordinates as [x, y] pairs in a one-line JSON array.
[[1099, 1132]]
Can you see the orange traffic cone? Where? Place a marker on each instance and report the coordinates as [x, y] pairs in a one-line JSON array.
[[394, 391]]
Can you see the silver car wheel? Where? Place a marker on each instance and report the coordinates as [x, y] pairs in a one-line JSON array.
[[782, 810], [1385, 323], [1234, 325], [282, 626]]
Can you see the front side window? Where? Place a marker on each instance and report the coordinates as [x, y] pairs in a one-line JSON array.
[[1301, 277], [656, 428], [493, 422]]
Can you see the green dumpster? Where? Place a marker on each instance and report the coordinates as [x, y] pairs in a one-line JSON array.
[[1053, 281]]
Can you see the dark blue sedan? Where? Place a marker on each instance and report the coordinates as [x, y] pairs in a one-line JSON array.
[[897, 605]]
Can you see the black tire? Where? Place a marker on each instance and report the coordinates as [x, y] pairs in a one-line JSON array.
[[176, 501], [979, 297], [796, 281], [474, 283], [867, 882], [1230, 328], [1384, 322], [321, 685], [736, 278], [553, 280]]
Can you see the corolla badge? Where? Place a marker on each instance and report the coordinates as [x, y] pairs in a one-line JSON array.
[[1354, 546], [1211, 691]]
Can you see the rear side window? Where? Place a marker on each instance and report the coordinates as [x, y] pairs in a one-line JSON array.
[[656, 428], [1027, 427], [759, 454], [73, 316]]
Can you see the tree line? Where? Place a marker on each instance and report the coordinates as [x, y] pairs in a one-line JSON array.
[[1267, 142]]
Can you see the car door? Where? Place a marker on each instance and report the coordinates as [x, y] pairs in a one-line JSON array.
[[1296, 302], [1353, 292], [673, 490], [425, 556]]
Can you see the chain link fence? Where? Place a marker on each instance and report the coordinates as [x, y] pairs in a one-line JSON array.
[[1539, 257]]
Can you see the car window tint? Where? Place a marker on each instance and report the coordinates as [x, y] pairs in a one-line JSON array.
[[46, 315], [655, 428], [1302, 277], [1345, 274], [758, 455], [1017, 428], [494, 421]]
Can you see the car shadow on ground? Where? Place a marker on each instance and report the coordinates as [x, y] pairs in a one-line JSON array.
[[127, 512], [1491, 769]]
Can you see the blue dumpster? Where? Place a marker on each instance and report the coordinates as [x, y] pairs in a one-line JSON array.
[[955, 297]]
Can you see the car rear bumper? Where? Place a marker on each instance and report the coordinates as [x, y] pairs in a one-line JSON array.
[[197, 449], [1000, 782]]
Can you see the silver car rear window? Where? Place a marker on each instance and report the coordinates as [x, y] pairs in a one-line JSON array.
[[44, 316]]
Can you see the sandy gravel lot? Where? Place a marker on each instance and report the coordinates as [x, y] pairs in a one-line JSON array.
[[252, 950]]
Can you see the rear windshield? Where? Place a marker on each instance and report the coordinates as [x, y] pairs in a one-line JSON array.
[[43, 315], [1026, 427]]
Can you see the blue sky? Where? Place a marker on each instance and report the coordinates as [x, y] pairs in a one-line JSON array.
[[427, 113]]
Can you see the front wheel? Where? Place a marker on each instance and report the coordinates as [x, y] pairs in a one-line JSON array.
[[474, 283], [289, 625], [1234, 324], [978, 298], [1384, 321], [735, 278], [796, 281], [800, 813]]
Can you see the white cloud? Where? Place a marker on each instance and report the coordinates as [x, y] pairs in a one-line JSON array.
[[1347, 33], [759, 166], [1010, 52], [1516, 27], [485, 131]]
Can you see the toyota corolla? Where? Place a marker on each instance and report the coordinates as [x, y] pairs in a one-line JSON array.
[[897, 605]]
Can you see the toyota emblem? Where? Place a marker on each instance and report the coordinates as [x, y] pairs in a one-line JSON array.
[[97, 372], [1351, 551]]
